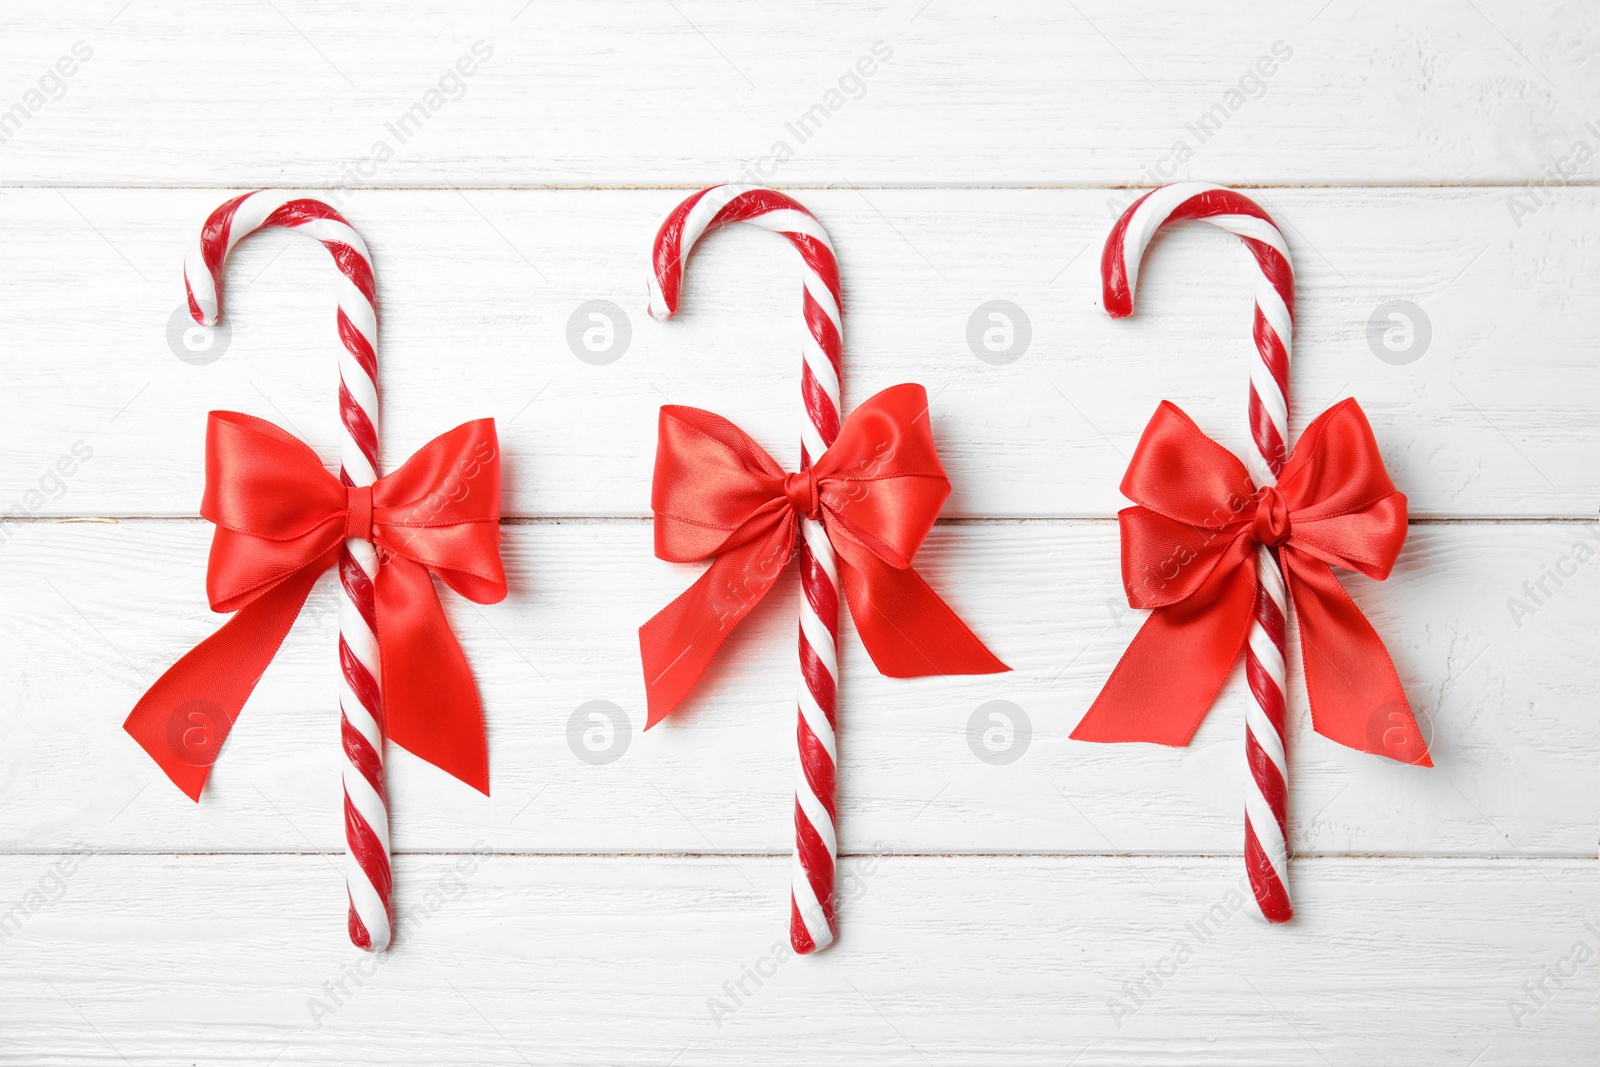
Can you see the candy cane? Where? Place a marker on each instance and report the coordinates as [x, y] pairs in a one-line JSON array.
[[811, 918], [366, 817], [1265, 808]]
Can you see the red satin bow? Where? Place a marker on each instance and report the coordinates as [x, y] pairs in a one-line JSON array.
[[1189, 553], [281, 518], [876, 491]]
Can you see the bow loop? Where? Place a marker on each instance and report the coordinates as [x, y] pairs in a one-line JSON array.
[[453, 479], [1165, 561], [1180, 473], [715, 488], [280, 521], [276, 508], [876, 492], [883, 484], [264, 482], [1345, 509], [1189, 553], [441, 509]]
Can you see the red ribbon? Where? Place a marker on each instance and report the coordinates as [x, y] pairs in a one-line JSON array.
[[281, 518], [876, 491], [1189, 553]]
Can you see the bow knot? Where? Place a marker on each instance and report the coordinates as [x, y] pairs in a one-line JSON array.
[[358, 512], [280, 521], [1187, 553], [876, 491], [1271, 525], [800, 489]]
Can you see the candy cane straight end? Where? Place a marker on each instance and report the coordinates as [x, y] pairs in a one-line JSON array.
[[811, 897], [1266, 849], [800, 938], [368, 879]]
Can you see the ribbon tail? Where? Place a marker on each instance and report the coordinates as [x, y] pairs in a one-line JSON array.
[[680, 641], [183, 719], [1173, 669], [430, 701], [907, 629], [1355, 693]]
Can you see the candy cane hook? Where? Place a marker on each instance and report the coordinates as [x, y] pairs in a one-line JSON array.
[[366, 819], [1266, 822], [811, 920]]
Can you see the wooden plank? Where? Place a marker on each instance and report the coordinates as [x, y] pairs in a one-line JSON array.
[[1509, 703], [515, 959], [1498, 416], [630, 93]]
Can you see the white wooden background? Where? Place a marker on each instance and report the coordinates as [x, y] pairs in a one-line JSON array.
[[1441, 152]]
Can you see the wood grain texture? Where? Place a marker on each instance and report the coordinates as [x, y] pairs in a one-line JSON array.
[[628, 92], [1509, 710], [941, 960], [1500, 415]]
